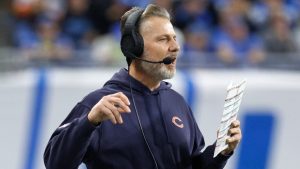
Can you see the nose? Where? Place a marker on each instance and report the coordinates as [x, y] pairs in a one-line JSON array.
[[174, 46]]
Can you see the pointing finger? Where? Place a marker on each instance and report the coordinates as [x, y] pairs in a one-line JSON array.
[[123, 97]]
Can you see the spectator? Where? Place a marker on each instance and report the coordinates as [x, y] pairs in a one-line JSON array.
[[25, 13], [48, 43], [54, 9], [278, 37], [192, 11], [105, 13], [105, 50], [235, 46], [91, 23], [77, 25], [197, 44], [263, 9]]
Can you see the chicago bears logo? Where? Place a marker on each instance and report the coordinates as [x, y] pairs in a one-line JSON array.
[[177, 122]]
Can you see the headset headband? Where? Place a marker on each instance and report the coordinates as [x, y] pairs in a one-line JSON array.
[[132, 21]]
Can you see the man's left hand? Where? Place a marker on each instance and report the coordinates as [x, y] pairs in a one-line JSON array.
[[235, 134]]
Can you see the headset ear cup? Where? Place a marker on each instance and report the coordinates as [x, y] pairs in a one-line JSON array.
[[132, 45], [127, 46], [139, 49]]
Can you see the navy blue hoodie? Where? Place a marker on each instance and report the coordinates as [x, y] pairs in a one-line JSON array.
[[167, 121]]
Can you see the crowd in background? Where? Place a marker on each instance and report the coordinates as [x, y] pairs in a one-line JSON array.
[[227, 32]]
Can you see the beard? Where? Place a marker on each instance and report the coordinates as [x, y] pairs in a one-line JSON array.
[[157, 72]]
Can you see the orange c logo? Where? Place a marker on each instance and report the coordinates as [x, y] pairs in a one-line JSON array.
[[177, 122]]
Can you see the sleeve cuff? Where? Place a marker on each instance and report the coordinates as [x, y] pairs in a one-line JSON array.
[[221, 157], [86, 125]]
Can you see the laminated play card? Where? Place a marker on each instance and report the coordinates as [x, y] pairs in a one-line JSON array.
[[232, 103]]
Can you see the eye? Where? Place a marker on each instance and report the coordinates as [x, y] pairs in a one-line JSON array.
[[162, 39]]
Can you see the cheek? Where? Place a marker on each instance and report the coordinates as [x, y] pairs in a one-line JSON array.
[[154, 49], [147, 51]]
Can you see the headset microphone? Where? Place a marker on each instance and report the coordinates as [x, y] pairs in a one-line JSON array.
[[168, 60]]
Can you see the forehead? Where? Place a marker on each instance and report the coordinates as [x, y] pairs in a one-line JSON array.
[[156, 26]]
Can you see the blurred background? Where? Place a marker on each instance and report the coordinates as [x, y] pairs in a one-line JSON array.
[[54, 52]]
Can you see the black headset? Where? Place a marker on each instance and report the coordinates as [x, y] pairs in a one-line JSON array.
[[132, 42]]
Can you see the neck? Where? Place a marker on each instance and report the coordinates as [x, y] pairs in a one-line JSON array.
[[143, 77]]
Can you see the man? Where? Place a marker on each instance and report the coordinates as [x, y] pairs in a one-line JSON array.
[[136, 121]]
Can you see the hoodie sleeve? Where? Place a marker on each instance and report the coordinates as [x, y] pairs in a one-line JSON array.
[[205, 160], [68, 146]]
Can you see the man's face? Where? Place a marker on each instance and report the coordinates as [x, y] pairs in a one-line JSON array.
[[159, 42]]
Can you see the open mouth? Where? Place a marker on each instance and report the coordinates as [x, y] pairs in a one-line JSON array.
[[172, 59]]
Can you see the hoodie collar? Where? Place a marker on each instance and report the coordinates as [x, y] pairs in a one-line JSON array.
[[123, 78]]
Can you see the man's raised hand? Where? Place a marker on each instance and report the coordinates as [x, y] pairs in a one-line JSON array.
[[110, 108]]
